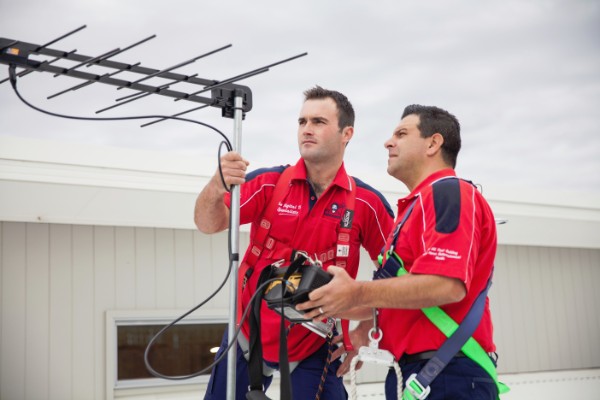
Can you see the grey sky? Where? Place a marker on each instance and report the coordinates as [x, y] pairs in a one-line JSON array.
[[523, 77]]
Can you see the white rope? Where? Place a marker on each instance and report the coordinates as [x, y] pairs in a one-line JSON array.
[[399, 380], [355, 360], [353, 395]]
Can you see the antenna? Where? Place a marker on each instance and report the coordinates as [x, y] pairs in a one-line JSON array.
[[234, 101], [222, 92]]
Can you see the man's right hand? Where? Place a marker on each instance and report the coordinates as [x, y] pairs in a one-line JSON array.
[[211, 215], [359, 337], [234, 168]]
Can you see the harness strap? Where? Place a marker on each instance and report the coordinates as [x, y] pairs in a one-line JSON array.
[[255, 359], [245, 347], [343, 252], [384, 271], [255, 353], [455, 341], [247, 266], [459, 337]]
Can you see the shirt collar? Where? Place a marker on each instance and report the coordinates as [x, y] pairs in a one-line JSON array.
[[436, 176], [341, 178]]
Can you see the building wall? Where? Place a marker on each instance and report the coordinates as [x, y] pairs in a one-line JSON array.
[[545, 306], [57, 282]]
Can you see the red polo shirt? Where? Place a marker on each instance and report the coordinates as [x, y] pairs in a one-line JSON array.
[[450, 232], [309, 224]]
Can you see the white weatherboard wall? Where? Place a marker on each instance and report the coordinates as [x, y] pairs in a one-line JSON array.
[[58, 281], [86, 231]]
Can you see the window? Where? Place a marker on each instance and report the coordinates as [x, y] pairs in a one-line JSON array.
[[180, 350], [183, 349]]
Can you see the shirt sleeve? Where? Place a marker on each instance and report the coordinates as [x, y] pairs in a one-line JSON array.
[[450, 231], [378, 223], [254, 195]]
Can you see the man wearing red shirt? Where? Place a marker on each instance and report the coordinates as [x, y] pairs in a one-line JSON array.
[[309, 216], [447, 244]]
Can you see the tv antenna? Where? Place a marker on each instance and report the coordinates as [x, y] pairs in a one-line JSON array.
[[234, 101]]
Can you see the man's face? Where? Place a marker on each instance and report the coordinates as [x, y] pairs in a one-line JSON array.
[[406, 150], [319, 136]]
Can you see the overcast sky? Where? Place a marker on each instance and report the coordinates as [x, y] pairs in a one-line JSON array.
[[523, 77]]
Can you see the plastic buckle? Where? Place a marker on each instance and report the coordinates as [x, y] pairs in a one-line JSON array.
[[376, 356], [300, 253], [416, 389], [374, 341]]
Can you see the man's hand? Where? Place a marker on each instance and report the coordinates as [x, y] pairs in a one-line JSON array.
[[333, 299], [211, 215], [234, 168], [345, 365], [359, 337]]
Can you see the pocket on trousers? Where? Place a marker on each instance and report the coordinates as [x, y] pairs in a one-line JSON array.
[[483, 389]]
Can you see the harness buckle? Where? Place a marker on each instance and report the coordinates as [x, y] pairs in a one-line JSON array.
[[300, 253], [374, 341], [416, 389], [323, 329], [270, 243], [391, 250], [376, 356], [256, 250]]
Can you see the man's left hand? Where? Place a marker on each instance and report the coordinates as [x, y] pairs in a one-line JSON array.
[[333, 299]]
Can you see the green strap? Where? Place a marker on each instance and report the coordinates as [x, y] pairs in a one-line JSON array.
[[471, 348]]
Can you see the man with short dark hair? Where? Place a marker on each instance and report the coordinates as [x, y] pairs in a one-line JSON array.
[[316, 208], [443, 244]]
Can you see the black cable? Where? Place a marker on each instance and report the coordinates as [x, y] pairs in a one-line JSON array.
[[13, 81], [232, 341], [165, 328], [221, 170]]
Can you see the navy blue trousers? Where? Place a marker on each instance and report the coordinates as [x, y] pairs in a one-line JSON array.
[[461, 379], [305, 377]]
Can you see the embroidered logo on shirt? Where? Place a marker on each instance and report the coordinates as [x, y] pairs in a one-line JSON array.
[[288, 209], [442, 254], [334, 211]]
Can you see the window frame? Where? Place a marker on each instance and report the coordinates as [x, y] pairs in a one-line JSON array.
[[116, 318]]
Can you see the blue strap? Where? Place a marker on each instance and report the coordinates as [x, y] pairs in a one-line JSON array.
[[390, 268], [399, 226], [454, 343]]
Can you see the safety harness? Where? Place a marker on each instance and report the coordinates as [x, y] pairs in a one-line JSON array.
[[459, 336], [265, 245], [269, 247]]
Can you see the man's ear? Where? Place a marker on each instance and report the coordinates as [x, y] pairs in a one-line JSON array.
[[435, 143], [347, 134]]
